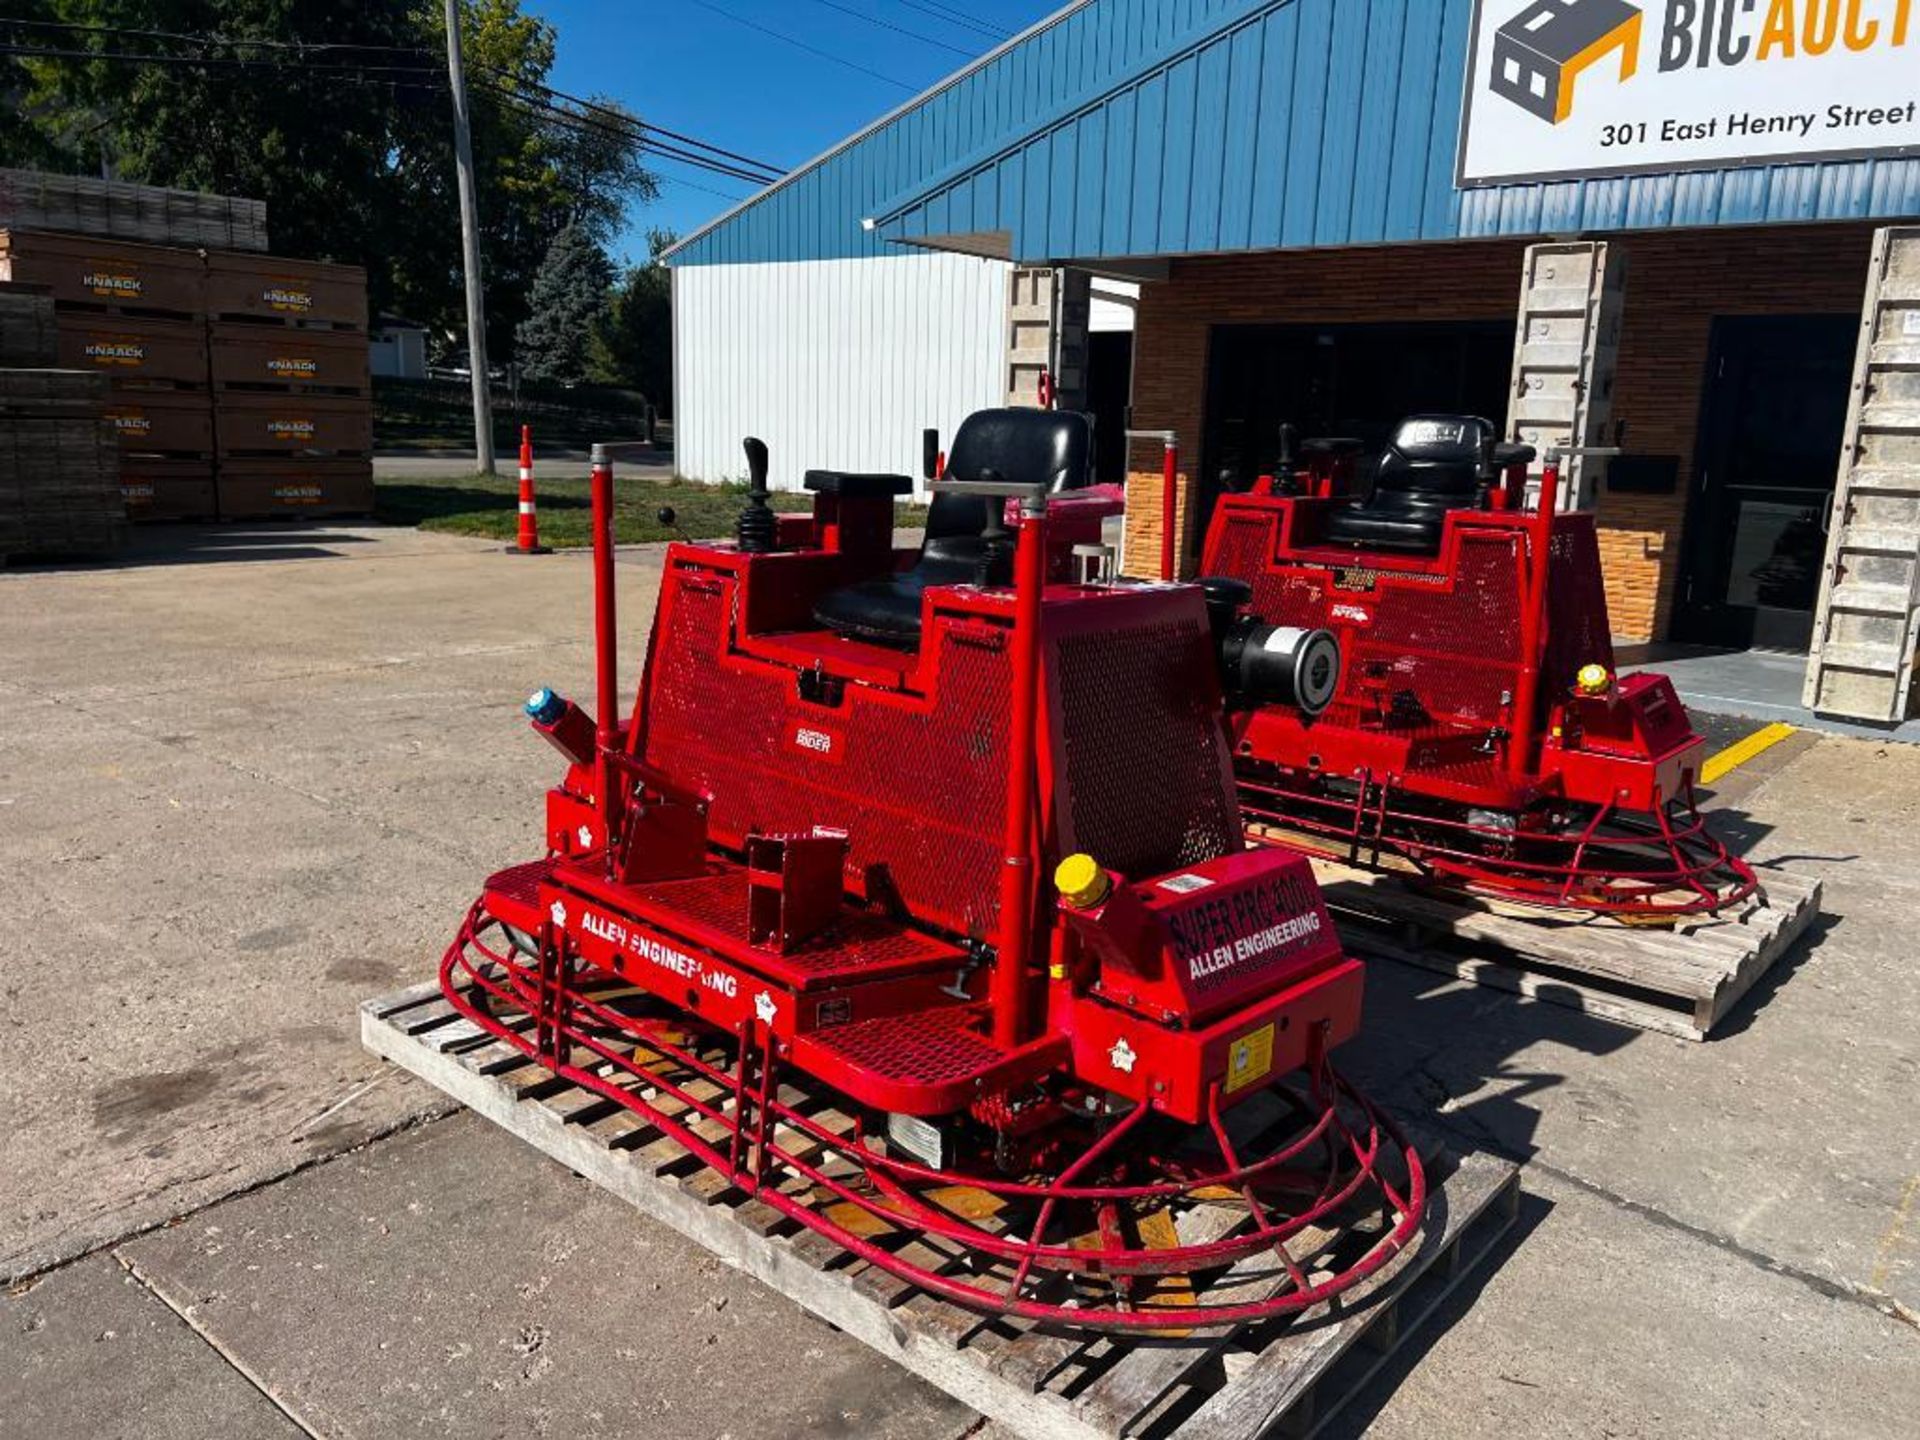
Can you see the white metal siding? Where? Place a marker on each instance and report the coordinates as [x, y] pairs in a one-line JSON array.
[[836, 364]]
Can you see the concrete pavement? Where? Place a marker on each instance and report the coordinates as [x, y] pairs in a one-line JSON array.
[[243, 790], [238, 796], [469, 1287], [1757, 684]]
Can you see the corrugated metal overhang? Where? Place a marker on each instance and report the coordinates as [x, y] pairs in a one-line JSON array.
[[1314, 123], [1170, 127]]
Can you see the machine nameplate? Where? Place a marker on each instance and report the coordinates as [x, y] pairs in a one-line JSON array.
[[822, 742], [1252, 924]]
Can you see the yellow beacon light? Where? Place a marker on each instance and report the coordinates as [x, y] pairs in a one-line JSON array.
[[1592, 680], [1081, 882]]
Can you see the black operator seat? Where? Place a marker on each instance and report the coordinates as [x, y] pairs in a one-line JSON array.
[[1435, 463], [1029, 447]]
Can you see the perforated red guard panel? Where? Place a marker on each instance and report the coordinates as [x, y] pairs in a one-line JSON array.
[[1578, 629], [1457, 648], [925, 1048], [919, 791], [1147, 788], [520, 884]]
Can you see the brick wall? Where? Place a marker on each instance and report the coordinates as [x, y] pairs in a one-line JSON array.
[[1676, 283]]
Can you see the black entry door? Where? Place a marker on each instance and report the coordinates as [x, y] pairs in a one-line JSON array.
[[1771, 424]]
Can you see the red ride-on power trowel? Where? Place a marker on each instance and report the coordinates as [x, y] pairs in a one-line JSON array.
[[1462, 710], [950, 836]]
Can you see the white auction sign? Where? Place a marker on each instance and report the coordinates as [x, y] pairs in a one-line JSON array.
[[1558, 89]]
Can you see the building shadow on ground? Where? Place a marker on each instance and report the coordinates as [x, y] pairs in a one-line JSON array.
[[1359, 1408], [1448, 1058], [207, 543]]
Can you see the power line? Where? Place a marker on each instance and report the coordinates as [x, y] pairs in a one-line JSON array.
[[685, 183], [773, 171], [622, 132], [219, 40], [897, 29], [956, 17], [218, 61], [626, 132], [338, 72], [802, 45], [432, 77]]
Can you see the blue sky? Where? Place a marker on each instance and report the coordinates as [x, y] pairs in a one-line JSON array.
[[686, 66]]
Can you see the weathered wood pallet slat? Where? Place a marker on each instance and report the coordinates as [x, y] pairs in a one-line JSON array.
[[1681, 980], [1039, 1384]]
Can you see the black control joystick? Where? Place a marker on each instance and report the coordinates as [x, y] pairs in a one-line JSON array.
[[997, 543], [758, 528], [1286, 468]]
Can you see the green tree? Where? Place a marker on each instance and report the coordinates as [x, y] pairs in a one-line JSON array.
[[23, 138], [307, 136], [568, 301], [536, 174], [634, 346], [350, 146]]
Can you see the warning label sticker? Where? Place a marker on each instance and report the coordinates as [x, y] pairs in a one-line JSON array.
[[1249, 1058], [1185, 884]]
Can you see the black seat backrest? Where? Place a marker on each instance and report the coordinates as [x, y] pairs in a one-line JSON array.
[[1028, 447], [1435, 455]]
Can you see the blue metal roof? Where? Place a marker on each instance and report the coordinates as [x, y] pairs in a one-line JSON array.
[[1134, 128]]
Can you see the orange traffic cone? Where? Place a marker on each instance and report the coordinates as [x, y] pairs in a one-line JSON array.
[[529, 541]]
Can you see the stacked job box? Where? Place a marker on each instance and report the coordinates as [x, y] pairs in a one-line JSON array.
[[293, 411], [135, 315], [59, 470], [238, 382]]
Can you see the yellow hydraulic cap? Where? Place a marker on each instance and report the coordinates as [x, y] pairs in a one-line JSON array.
[[1592, 680], [1081, 882]]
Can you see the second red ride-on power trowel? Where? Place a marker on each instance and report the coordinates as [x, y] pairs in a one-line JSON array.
[[1463, 714], [950, 837]]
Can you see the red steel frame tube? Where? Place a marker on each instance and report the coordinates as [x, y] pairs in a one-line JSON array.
[[1016, 875], [1169, 505], [605, 647], [1533, 620]]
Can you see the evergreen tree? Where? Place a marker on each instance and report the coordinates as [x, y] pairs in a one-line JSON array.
[[565, 307], [634, 346]]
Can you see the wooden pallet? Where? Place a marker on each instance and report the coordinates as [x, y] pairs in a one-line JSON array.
[[1679, 980], [1039, 1384], [148, 214]]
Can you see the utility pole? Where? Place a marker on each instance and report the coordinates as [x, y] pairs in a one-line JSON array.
[[470, 244]]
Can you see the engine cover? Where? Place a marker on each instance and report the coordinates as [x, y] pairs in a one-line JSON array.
[[1187, 947]]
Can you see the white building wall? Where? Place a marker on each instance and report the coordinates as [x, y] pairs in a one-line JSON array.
[[1114, 305], [836, 364], [401, 354]]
